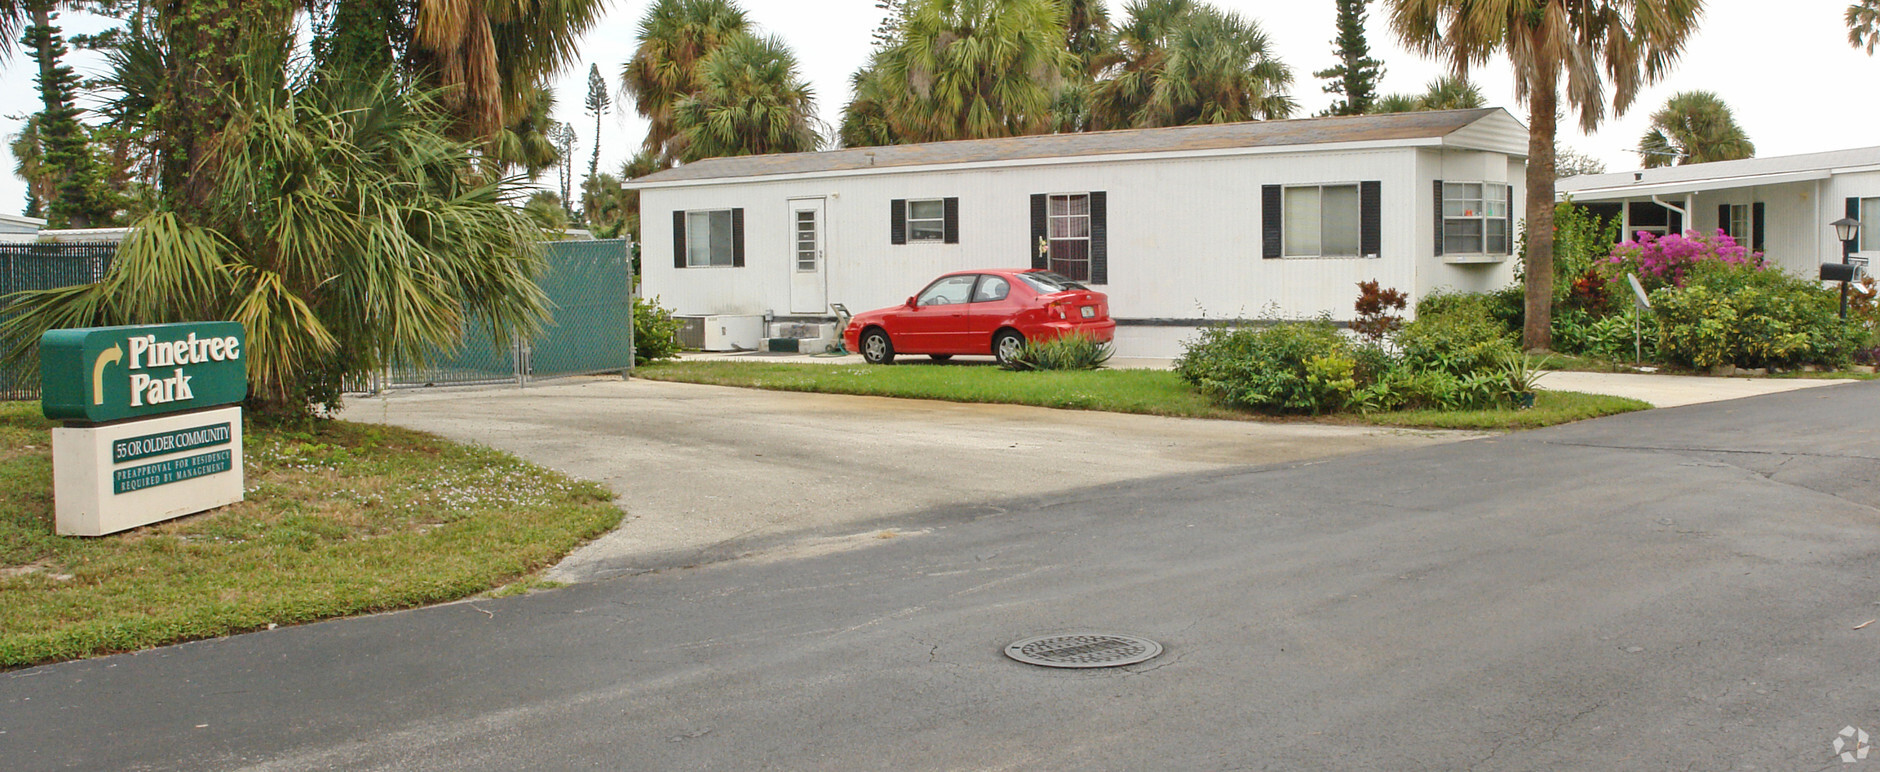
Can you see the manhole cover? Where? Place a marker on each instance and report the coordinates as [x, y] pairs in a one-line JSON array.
[[1084, 650]]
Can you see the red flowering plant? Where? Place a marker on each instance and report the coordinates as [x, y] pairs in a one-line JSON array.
[[1663, 261]]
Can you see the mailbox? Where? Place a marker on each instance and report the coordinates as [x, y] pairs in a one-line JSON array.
[[1847, 272]]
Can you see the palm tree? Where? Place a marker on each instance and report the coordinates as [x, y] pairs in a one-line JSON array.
[[491, 53], [1633, 42], [751, 100], [1087, 35], [1186, 63], [345, 231], [527, 141], [865, 119], [1694, 127], [1452, 92], [1863, 25], [641, 164], [970, 69], [1448, 92], [674, 36]]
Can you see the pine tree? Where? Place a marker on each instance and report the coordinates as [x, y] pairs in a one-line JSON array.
[[79, 198], [598, 103], [1356, 75]]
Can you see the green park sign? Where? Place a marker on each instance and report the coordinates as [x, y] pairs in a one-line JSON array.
[[104, 374]]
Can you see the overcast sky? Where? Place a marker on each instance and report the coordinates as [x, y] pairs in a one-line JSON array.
[[1785, 67]]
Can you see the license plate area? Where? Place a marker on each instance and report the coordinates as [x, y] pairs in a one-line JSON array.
[[1090, 312]]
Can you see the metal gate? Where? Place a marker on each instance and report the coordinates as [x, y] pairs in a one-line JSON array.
[[590, 329]]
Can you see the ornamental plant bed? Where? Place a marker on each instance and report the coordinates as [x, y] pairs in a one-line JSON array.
[[340, 519]]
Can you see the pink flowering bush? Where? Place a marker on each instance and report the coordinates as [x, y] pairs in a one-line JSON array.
[[1664, 261]]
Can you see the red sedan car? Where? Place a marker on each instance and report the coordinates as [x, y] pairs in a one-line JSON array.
[[981, 312]]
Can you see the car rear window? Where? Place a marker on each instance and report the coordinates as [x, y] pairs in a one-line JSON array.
[[1046, 282]]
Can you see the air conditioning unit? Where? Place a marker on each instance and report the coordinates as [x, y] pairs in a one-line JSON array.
[[721, 332]]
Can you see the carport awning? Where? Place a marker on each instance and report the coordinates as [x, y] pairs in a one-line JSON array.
[[1622, 192]]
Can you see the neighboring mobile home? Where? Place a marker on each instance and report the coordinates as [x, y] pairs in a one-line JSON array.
[[1783, 206], [1180, 226]]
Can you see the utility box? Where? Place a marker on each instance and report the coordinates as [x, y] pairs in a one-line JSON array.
[[721, 332]]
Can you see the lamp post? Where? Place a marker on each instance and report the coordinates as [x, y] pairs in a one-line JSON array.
[[1847, 229]]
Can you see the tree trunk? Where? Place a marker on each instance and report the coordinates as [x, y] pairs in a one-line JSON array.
[[1543, 101], [209, 42]]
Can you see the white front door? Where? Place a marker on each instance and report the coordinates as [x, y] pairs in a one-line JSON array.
[[809, 271]]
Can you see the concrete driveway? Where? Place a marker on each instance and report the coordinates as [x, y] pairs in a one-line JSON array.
[[708, 472]]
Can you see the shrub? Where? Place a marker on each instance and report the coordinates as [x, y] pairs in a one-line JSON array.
[[1507, 306], [1738, 314], [655, 332], [1076, 351], [1581, 240], [1460, 338], [1665, 261], [1287, 367], [1374, 308]]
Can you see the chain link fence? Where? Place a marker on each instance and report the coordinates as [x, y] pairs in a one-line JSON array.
[[589, 286], [45, 266], [588, 283]]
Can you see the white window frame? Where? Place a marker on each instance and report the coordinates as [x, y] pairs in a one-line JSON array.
[[1069, 221], [1740, 215], [939, 222], [712, 259], [1481, 215], [1287, 233]]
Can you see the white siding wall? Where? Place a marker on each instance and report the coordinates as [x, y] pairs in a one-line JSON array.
[[1184, 236]]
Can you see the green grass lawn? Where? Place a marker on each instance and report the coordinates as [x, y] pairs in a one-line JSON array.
[[343, 519], [1149, 392]]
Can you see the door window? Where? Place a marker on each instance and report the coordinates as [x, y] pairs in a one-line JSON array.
[[806, 240], [991, 288], [947, 291]]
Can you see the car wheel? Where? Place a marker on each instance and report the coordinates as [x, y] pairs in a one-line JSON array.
[[939, 357], [1005, 345], [876, 348]]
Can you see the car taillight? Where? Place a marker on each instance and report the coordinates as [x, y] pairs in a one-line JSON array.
[[1057, 309]]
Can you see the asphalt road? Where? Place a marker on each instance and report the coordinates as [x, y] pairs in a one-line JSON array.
[[1676, 589]]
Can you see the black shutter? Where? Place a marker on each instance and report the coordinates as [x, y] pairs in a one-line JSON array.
[[678, 239], [1039, 258], [737, 237], [1756, 225], [952, 222], [1439, 218], [897, 222], [1099, 237], [1370, 219], [1853, 211], [1270, 220], [1723, 217]]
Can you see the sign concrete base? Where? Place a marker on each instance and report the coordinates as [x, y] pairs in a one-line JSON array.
[[120, 476]]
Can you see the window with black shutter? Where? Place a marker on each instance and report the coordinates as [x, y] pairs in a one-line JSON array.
[[706, 238], [1332, 220]]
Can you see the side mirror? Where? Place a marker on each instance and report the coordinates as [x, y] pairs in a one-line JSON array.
[[910, 301]]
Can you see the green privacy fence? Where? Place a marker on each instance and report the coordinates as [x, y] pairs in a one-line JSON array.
[[588, 284], [45, 266], [590, 331]]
